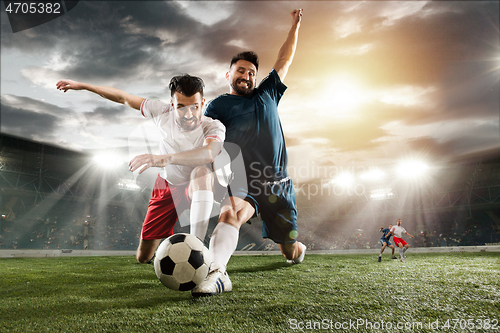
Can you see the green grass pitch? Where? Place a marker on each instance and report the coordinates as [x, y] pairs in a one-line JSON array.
[[459, 292]]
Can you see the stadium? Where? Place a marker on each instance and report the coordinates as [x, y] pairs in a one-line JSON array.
[[69, 231], [389, 110], [56, 199]]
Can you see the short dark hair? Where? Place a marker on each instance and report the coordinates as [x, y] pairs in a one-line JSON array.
[[248, 56], [186, 84]]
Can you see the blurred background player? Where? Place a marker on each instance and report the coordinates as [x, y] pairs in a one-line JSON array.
[[385, 241], [251, 117], [190, 141], [398, 231]]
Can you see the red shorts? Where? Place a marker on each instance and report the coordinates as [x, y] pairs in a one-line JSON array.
[[166, 203], [399, 240]]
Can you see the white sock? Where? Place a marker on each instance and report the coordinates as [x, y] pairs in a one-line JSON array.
[[201, 208], [222, 245], [401, 253], [404, 249], [380, 255]]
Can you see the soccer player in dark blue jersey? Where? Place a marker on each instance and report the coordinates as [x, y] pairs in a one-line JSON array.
[[250, 115], [385, 241]]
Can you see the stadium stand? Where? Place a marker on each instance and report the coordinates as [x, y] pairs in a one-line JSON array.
[[51, 198]]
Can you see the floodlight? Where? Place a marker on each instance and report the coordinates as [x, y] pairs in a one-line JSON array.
[[411, 169], [108, 160], [381, 194], [128, 184], [344, 179]]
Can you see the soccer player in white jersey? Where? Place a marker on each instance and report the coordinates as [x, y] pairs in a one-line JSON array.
[[190, 142], [398, 231]]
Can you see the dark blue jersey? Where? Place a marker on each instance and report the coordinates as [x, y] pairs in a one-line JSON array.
[[386, 231], [252, 122]]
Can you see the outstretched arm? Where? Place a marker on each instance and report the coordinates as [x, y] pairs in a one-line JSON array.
[[409, 235], [198, 156], [113, 94], [287, 51]]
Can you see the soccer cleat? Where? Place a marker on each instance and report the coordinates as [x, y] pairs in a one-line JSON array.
[[215, 283], [402, 260], [300, 258], [379, 259], [394, 257]]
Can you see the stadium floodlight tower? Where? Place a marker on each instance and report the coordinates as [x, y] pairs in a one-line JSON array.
[[382, 193], [128, 184]]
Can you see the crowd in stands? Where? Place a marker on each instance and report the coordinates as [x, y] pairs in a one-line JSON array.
[[41, 234], [116, 231], [472, 232], [349, 239], [114, 228], [65, 228]]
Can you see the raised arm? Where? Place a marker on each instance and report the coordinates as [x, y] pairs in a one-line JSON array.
[[287, 51], [195, 157], [113, 94]]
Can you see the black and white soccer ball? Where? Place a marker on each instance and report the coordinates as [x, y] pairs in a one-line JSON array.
[[182, 262]]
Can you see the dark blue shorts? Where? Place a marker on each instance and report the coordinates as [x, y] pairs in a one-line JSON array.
[[383, 239], [276, 205]]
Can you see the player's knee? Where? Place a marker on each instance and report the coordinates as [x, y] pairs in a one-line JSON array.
[[202, 178], [201, 171], [230, 216]]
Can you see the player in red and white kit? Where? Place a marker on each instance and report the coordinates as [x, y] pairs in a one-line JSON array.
[[189, 143], [398, 231]]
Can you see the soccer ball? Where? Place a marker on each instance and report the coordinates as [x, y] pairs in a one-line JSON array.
[[182, 262]]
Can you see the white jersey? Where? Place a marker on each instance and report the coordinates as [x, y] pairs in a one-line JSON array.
[[175, 140], [398, 231]]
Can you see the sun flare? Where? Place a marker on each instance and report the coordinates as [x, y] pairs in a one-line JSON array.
[[345, 95]]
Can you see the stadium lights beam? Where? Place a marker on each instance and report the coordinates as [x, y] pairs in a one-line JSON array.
[[344, 179], [411, 169], [107, 161], [373, 175]]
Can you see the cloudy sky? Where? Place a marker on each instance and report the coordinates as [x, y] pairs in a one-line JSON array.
[[371, 82]]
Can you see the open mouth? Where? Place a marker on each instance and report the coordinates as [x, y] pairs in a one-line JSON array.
[[243, 83]]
